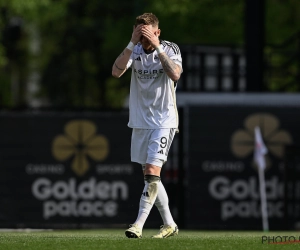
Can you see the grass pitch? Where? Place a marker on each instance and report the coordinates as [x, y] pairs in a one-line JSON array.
[[115, 239]]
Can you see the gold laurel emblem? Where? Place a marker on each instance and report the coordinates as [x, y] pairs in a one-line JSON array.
[[275, 139], [80, 142]]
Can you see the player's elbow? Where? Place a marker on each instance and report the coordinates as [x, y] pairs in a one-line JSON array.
[[176, 74], [175, 77], [115, 74]]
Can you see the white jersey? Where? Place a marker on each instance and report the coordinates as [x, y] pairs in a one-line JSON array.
[[152, 102]]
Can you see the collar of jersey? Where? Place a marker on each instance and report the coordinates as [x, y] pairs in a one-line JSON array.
[[149, 52]]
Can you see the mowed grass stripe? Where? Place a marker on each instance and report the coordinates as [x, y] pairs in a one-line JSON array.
[[115, 239]]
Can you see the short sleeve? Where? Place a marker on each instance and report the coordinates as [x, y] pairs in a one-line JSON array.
[[173, 51]]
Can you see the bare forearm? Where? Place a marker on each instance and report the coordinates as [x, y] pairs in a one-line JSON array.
[[119, 66], [171, 69]]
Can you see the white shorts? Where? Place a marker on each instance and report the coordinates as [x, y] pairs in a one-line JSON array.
[[151, 145]]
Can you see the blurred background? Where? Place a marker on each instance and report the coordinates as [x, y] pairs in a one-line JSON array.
[[64, 140]]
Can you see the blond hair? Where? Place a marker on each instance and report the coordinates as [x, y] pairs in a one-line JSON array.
[[147, 18]]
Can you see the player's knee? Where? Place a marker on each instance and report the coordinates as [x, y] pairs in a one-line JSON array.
[[151, 169]]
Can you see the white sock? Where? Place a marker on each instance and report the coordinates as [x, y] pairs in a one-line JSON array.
[[146, 203], [162, 203]]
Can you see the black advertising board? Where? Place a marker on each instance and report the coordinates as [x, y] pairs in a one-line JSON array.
[[63, 170], [67, 170], [222, 190]]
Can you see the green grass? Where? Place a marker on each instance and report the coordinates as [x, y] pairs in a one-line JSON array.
[[115, 239]]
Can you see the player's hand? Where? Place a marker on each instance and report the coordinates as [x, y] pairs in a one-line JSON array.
[[136, 34], [152, 37]]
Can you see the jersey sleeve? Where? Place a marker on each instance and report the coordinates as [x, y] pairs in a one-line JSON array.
[[173, 51]]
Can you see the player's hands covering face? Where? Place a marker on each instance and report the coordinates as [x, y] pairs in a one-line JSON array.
[[136, 34], [151, 34]]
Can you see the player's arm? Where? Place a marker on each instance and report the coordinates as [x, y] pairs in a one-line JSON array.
[[172, 69], [120, 65]]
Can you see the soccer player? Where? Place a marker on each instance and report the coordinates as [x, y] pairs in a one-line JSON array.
[[156, 66]]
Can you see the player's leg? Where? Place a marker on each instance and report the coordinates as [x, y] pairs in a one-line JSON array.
[[139, 148], [162, 201], [162, 204], [152, 178], [158, 143], [169, 228]]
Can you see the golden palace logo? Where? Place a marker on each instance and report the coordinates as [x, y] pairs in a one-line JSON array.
[[242, 141], [81, 142]]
